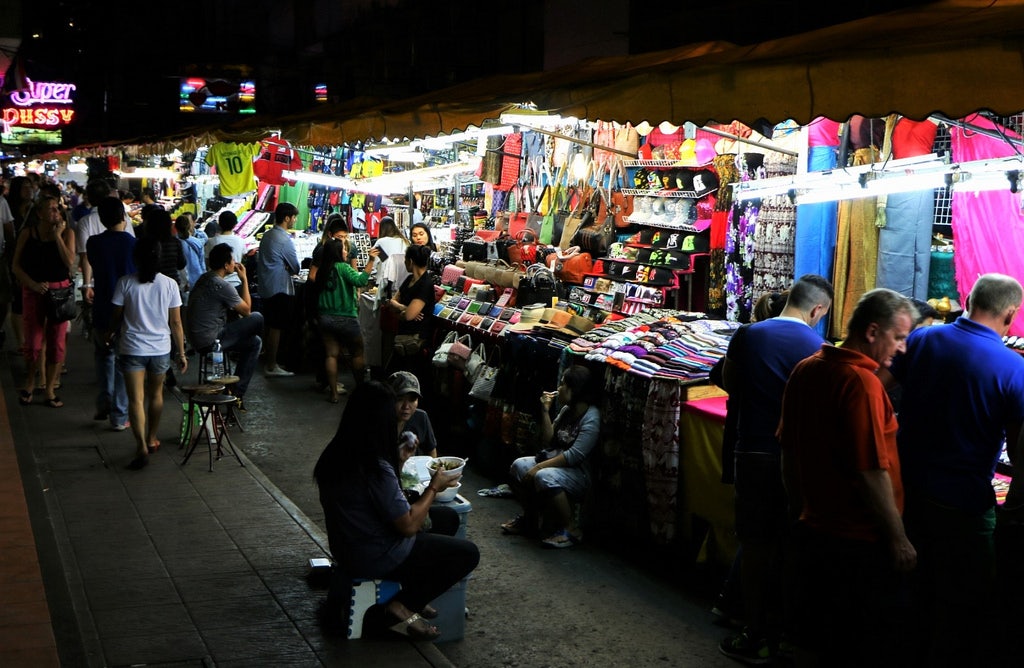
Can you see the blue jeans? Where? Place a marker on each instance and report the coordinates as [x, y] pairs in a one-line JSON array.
[[112, 398], [242, 336]]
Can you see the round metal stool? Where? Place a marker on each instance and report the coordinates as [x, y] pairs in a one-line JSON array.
[[192, 411], [209, 412]]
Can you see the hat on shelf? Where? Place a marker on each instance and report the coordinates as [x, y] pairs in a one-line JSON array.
[[701, 182]]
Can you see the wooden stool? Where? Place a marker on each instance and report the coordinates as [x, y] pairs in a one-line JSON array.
[[209, 405], [191, 412]]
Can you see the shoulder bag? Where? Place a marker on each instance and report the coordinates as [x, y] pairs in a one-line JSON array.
[[459, 352], [483, 386], [477, 360], [60, 304], [440, 358]]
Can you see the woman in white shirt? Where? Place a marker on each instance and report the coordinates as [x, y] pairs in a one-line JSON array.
[[147, 316]]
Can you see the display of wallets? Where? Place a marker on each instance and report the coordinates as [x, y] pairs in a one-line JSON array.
[[507, 313], [487, 323], [465, 318], [454, 314], [438, 307], [474, 307], [495, 311], [498, 327], [505, 297], [464, 303], [515, 317], [445, 312]]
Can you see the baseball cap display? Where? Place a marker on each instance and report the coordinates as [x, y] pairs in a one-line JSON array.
[[700, 183]]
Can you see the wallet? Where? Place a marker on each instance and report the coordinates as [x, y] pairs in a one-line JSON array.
[[486, 324], [463, 303], [498, 327], [465, 318]]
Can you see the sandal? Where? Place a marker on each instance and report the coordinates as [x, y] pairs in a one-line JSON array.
[[54, 402], [559, 539], [428, 612], [516, 526], [154, 446], [415, 628], [25, 397]]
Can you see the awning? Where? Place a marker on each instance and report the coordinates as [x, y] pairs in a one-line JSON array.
[[954, 57]]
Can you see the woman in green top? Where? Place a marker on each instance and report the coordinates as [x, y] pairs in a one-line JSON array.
[[338, 305]]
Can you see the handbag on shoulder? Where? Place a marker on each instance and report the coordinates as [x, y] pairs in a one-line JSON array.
[[60, 304]]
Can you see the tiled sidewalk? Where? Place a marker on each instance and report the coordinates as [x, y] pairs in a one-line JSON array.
[[168, 565]]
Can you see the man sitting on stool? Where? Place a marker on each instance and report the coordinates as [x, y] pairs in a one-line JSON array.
[[209, 304]]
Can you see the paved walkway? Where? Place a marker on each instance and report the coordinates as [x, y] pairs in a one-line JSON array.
[[102, 566]]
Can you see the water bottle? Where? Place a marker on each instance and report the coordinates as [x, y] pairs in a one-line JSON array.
[[216, 361]]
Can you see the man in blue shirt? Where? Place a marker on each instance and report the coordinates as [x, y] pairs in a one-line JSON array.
[[110, 256], [963, 394], [277, 262], [756, 373]]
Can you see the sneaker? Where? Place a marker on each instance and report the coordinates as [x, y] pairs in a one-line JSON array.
[[240, 405], [277, 372], [120, 427], [743, 648]]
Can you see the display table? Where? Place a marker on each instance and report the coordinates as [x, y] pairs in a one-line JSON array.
[[701, 492]]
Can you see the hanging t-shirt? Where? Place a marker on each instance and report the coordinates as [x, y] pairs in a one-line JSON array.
[[233, 163], [275, 156], [913, 138]]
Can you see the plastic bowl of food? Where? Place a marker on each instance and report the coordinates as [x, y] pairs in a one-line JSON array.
[[450, 464], [448, 495]]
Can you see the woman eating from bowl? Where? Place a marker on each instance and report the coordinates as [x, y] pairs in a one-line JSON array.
[[373, 530], [544, 483]]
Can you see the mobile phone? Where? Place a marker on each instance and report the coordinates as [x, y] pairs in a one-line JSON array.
[[383, 254]]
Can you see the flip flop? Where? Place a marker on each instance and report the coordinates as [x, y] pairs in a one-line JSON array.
[[416, 628], [154, 446], [54, 402], [428, 612], [25, 397]]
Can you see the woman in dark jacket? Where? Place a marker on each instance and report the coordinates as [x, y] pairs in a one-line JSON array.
[[373, 530]]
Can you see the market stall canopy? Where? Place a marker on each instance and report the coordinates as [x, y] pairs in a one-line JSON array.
[[953, 56]]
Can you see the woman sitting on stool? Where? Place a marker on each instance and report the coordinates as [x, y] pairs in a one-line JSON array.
[[373, 530], [544, 483]]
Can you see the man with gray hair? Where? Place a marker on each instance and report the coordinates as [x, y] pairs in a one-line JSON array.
[[842, 475], [963, 395]]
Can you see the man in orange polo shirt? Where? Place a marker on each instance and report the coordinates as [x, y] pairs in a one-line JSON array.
[[842, 474]]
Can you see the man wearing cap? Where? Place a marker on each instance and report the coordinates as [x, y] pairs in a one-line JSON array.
[[412, 418]]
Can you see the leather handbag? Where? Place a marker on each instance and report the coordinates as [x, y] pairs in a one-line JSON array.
[[440, 357], [536, 286], [483, 385], [583, 215], [459, 352], [573, 264], [477, 360], [621, 204], [450, 274], [600, 233], [60, 304]]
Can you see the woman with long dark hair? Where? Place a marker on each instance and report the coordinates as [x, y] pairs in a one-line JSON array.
[[373, 530], [338, 307], [147, 315], [545, 483]]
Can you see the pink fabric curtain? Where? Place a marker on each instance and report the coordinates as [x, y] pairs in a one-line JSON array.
[[988, 227]]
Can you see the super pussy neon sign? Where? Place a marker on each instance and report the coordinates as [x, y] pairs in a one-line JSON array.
[[43, 93]]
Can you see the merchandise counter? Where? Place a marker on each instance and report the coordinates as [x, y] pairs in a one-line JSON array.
[[701, 492]]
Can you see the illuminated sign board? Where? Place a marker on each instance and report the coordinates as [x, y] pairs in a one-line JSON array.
[[35, 115], [222, 96]]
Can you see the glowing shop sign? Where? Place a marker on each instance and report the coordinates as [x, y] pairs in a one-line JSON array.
[[41, 105], [43, 93]]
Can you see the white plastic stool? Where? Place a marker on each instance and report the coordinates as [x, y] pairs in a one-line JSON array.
[[367, 593]]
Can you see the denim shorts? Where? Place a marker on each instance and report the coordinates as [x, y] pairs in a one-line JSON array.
[[155, 364], [573, 480]]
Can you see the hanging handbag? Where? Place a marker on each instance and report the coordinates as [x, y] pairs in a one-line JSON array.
[[477, 360], [573, 265], [60, 304], [621, 204], [440, 358], [582, 216], [460, 350], [554, 215], [600, 233], [483, 386]]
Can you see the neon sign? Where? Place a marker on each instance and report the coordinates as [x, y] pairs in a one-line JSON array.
[[43, 93], [41, 105]]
